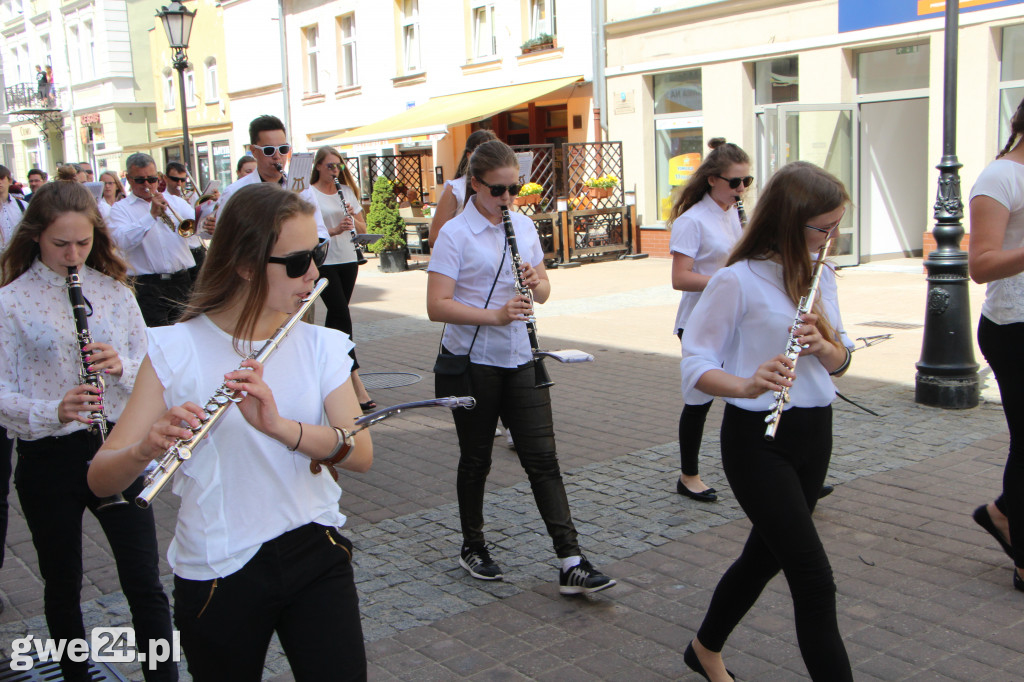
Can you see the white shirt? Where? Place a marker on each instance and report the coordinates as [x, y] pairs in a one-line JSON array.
[[469, 250], [104, 207], [341, 250], [10, 216], [242, 488], [194, 242], [252, 179], [706, 234], [458, 186], [148, 244], [1003, 180], [39, 354], [742, 320]]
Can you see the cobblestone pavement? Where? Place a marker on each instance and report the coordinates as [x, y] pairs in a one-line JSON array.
[[923, 593]]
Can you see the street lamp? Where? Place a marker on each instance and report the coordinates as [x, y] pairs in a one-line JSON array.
[[178, 26], [947, 375]]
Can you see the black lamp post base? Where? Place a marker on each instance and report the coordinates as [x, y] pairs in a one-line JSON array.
[[953, 393]]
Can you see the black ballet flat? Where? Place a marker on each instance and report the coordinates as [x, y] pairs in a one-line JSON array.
[[693, 663], [825, 491], [984, 519], [709, 495], [368, 406], [1018, 582]]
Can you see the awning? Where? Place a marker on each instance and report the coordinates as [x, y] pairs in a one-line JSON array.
[[434, 116]]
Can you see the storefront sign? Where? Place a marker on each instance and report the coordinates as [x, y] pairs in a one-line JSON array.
[[855, 15], [88, 119]]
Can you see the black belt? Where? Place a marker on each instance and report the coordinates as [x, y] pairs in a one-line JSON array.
[[162, 277]]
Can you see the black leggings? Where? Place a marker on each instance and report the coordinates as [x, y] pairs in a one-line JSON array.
[[1001, 345], [691, 433], [777, 484], [341, 282]]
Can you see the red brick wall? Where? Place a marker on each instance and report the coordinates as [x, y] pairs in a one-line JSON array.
[[655, 242]]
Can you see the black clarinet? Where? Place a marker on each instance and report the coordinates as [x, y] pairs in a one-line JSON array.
[[360, 258], [741, 212], [542, 379], [99, 427]]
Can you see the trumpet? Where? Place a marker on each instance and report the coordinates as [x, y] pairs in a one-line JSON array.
[[185, 228], [190, 196]]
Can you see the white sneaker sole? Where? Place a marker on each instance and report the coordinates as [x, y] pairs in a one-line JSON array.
[[462, 562], [579, 589]]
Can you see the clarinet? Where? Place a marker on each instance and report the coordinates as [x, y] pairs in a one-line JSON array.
[[360, 258], [215, 408], [542, 379], [793, 347], [741, 212], [99, 427]]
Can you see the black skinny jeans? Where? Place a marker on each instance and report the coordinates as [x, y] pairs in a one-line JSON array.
[[341, 282], [1001, 345], [777, 484], [691, 433], [51, 482], [6, 446], [526, 413], [300, 585]]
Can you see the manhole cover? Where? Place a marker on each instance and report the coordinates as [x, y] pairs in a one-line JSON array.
[[389, 379]]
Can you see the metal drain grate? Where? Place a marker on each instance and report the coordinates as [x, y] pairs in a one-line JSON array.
[[387, 380], [888, 325], [50, 672]]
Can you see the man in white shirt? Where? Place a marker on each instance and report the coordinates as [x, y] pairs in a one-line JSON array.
[[158, 258], [176, 177], [270, 147]]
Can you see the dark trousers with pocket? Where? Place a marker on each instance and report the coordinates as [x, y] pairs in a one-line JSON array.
[[161, 297], [299, 585], [341, 282]]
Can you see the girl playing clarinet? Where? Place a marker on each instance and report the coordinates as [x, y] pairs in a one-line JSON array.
[[45, 404], [743, 316]]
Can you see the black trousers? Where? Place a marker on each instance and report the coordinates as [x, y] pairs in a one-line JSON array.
[[299, 585], [777, 484], [1001, 346], [51, 482], [161, 298], [526, 413], [199, 255], [341, 282], [691, 433], [6, 446]]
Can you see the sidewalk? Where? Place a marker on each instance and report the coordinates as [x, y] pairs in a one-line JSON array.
[[923, 593]]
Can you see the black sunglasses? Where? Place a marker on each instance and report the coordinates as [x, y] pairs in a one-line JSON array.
[[174, 179], [297, 264], [269, 149], [735, 182], [333, 166], [141, 180], [498, 190]]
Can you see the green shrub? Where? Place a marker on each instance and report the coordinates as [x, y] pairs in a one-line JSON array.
[[383, 218]]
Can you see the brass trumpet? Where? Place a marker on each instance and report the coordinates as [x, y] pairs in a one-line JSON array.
[[185, 228]]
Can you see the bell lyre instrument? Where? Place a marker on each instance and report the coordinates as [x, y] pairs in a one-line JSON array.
[[793, 347], [185, 228], [98, 428], [223, 398]]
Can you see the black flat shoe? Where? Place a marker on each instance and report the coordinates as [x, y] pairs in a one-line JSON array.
[[368, 406], [693, 663], [984, 519], [1018, 582], [825, 491], [708, 495]]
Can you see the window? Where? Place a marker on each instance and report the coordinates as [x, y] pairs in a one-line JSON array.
[[73, 42], [411, 35], [894, 68], [212, 91], [347, 51], [222, 162], [168, 82], [775, 81], [542, 18], [88, 51], [190, 88], [678, 132], [310, 37], [202, 164], [1011, 78], [484, 42], [677, 93]]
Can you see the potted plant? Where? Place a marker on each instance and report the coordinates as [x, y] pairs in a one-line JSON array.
[[529, 194], [383, 219], [545, 41], [601, 187]]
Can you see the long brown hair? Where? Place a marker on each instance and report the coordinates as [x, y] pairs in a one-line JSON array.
[[723, 154], [247, 230], [1016, 129], [118, 187], [475, 139], [345, 173], [798, 192], [50, 202]]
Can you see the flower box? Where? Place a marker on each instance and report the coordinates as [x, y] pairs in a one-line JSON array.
[[599, 192], [526, 199]]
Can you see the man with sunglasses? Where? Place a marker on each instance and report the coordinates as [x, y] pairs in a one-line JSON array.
[[270, 147], [176, 176], [158, 258]]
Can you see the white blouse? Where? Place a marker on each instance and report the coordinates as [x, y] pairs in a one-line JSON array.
[[742, 320], [1003, 180], [39, 354], [458, 186], [341, 249]]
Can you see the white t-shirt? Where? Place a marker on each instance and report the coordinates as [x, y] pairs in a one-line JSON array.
[[1003, 180], [742, 320], [458, 186], [241, 488], [706, 234], [341, 250]]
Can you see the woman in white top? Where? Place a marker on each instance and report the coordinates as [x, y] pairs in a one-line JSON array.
[[343, 214], [112, 192], [743, 316], [997, 257], [705, 226], [46, 405], [453, 198], [256, 548]]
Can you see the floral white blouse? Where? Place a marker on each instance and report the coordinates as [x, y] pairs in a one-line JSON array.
[[39, 355]]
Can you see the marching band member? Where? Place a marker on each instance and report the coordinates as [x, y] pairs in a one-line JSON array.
[[745, 312], [112, 193], [43, 403], [176, 176], [453, 198], [246, 164], [470, 276], [256, 548]]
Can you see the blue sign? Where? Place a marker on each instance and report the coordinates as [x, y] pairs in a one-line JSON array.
[[855, 15]]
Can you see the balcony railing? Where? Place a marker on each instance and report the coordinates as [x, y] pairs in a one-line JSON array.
[[25, 97]]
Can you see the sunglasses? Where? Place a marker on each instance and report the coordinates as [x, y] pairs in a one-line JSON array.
[[333, 166], [297, 264], [735, 182], [498, 190], [142, 180], [827, 230], [174, 179], [269, 150]]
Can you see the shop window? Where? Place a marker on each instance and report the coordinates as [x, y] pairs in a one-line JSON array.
[[678, 92], [892, 69], [222, 162], [678, 132], [776, 81], [1011, 78], [203, 164]]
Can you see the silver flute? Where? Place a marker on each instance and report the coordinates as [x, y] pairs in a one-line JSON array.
[[215, 408], [793, 347]]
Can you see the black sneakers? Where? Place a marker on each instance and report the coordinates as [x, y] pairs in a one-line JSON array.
[[583, 579], [477, 560]]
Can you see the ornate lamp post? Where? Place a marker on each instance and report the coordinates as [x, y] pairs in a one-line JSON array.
[[947, 375], [178, 26]]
